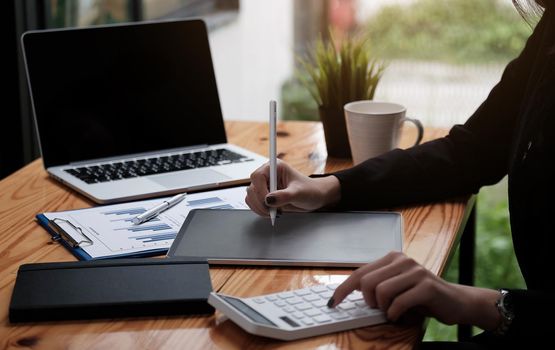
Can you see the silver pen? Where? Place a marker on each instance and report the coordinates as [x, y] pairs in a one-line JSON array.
[[152, 212], [273, 156]]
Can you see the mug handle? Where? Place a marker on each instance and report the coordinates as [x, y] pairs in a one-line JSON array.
[[420, 128]]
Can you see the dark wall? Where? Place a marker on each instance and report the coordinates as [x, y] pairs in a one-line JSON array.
[[18, 145], [11, 152]]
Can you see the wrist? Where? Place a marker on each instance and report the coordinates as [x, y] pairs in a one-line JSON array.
[[331, 190], [480, 308]]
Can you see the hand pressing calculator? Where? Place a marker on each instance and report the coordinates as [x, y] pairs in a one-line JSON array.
[[298, 313]]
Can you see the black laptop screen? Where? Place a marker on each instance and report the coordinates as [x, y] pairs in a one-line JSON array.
[[114, 90]]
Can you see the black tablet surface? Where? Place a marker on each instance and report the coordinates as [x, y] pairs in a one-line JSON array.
[[240, 237]]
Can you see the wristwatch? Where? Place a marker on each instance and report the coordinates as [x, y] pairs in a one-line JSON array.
[[505, 307]]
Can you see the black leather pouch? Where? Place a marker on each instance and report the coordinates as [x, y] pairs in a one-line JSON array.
[[110, 288]]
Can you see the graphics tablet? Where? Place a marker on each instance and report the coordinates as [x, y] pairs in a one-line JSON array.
[[240, 237]]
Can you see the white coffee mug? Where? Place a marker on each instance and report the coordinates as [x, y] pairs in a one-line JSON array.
[[375, 128]]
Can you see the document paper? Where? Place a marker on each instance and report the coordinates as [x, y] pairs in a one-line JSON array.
[[113, 234]]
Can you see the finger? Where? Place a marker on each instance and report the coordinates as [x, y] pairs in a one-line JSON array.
[[387, 290], [255, 205], [293, 209], [259, 187], [353, 282], [284, 172], [251, 206], [374, 281], [263, 169], [260, 177], [280, 198], [409, 299], [256, 210]]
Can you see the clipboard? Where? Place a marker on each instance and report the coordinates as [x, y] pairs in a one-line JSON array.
[[61, 236], [106, 232]]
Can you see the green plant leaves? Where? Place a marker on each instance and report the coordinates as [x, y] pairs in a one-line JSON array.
[[338, 73]]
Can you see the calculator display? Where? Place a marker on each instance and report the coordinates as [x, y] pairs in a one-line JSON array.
[[248, 311]]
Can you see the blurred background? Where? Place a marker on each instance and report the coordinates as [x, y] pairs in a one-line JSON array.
[[442, 58]]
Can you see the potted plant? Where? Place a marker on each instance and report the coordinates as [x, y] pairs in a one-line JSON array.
[[335, 75]]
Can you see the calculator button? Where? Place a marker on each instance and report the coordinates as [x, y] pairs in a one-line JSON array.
[[303, 306], [259, 300], [347, 306], [326, 295], [312, 297], [294, 301], [328, 310], [361, 304], [373, 311], [333, 286], [280, 303], [271, 298], [288, 309], [286, 295], [307, 322], [302, 292], [298, 315], [339, 315], [358, 312], [320, 303], [355, 296], [319, 289], [321, 319], [312, 312]]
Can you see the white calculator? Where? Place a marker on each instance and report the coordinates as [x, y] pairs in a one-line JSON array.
[[298, 313]]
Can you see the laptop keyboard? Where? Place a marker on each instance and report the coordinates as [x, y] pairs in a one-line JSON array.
[[156, 165]]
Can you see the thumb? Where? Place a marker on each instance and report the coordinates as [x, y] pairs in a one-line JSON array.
[[279, 198]]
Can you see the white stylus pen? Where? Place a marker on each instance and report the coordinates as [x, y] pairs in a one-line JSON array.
[[149, 214], [273, 156]]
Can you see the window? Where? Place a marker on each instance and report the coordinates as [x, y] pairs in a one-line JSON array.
[[443, 57]]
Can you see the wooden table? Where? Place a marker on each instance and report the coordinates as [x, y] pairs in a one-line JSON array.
[[431, 233]]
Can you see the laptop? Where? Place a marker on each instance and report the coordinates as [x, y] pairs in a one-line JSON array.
[[131, 111]]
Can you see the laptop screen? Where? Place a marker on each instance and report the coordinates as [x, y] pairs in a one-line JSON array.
[[113, 90]]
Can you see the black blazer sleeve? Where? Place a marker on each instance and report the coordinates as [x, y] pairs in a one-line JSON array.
[[533, 310], [472, 155]]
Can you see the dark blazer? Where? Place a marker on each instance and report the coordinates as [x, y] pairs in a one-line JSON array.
[[512, 133]]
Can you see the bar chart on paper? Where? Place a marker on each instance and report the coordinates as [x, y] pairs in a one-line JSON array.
[[113, 233]]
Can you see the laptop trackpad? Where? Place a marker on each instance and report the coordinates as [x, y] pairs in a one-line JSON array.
[[190, 178]]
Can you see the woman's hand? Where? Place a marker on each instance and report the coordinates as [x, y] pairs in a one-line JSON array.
[[396, 284], [296, 192]]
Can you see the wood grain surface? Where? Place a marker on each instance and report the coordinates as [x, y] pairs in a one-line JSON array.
[[431, 232]]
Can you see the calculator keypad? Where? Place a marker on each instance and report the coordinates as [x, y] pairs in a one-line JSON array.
[[308, 306]]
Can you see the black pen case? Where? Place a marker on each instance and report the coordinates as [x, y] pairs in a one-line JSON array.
[[110, 289]]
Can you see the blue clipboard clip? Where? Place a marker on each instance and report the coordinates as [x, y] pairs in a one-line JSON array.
[[62, 235]]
